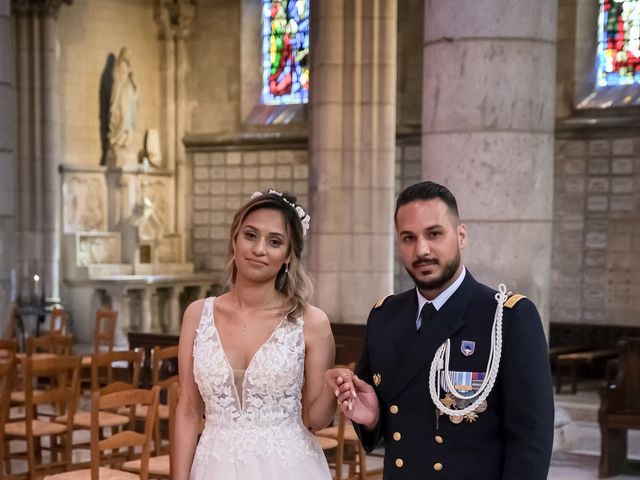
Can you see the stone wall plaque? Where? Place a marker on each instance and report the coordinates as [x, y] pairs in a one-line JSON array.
[[84, 198]]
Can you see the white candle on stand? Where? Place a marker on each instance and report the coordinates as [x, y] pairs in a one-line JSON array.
[[36, 284]]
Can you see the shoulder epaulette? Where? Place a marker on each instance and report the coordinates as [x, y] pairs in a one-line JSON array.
[[513, 299], [381, 301]]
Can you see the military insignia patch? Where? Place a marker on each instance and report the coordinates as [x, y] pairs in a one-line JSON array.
[[467, 347], [377, 378]]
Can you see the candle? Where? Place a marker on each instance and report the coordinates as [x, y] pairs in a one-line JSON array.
[[36, 289]]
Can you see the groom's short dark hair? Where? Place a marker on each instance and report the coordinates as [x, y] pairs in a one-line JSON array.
[[427, 190]]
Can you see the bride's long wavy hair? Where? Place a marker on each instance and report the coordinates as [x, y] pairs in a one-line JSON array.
[[295, 284]]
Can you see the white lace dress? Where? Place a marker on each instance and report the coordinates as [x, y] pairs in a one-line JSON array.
[[261, 436]]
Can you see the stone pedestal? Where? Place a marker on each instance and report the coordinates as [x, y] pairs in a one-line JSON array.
[[487, 132], [352, 146]]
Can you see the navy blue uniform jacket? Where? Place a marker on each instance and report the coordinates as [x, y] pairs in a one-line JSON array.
[[511, 440]]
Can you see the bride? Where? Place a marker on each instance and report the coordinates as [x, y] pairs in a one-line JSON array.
[[252, 360]]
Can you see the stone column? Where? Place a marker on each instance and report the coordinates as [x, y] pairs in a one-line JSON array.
[[488, 130], [174, 19], [39, 149], [7, 163], [352, 147]]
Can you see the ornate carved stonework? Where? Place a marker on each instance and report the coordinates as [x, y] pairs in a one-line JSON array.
[[48, 8], [97, 247], [157, 190], [84, 197]]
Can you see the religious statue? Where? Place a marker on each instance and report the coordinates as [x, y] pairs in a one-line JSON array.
[[122, 111]]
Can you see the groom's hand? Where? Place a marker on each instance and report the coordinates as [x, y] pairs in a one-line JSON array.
[[356, 398]]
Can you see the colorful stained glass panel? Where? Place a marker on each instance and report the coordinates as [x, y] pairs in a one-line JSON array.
[[285, 51], [618, 56]]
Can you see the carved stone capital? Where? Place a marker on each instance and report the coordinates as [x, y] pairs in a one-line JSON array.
[[174, 17], [46, 8]]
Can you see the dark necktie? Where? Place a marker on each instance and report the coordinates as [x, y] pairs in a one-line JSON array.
[[426, 314]]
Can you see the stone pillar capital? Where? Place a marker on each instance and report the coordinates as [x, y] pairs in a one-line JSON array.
[[45, 8], [174, 18]]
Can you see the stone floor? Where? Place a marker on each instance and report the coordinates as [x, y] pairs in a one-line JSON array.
[[577, 445]]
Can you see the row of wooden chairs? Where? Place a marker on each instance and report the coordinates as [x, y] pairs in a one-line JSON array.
[[62, 389], [103, 333]]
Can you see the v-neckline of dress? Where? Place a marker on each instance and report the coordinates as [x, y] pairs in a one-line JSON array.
[[240, 403]]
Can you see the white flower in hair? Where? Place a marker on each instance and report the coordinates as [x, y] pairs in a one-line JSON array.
[[305, 224], [302, 215]]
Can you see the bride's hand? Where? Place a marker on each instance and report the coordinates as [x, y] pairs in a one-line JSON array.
[[355, 397], [362, 408]]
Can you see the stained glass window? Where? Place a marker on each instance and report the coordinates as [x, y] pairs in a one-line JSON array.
[[618, 57], [285, 51]]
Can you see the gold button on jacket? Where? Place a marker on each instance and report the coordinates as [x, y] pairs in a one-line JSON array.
[[397, 436], [438, 439], [393, 409], [437, 466], [399, 462]]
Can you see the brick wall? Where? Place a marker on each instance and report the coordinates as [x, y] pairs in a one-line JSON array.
[[224, 180], [408, 172], [596, 232], [89, 32]]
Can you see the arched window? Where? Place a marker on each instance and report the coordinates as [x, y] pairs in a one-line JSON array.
[[618, 55], [285, 52]]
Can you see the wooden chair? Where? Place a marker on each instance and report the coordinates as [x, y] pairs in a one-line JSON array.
[[8, 348], [620, 412], [104, 362], [127, 439], [50, 344], [160, 466], [12, 326], [104, 373], [7, 364], [58, 321], [60, 396], [164, 373], [104, 334]]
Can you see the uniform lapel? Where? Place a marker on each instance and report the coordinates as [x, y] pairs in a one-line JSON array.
[[404, 325], [449, 319]]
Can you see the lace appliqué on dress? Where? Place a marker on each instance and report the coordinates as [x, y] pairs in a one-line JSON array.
[[267, 421]]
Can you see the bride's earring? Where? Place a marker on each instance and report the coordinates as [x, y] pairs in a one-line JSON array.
[[286, 268]]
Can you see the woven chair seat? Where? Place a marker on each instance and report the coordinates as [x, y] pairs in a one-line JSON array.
[[40, 428], [332, 432], [105, 419], [103, 474], [37, 356], [326, 443], [157, 465], [163, 411], [17, 396]]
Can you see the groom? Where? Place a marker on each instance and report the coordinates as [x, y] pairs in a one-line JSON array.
[[484, 408]]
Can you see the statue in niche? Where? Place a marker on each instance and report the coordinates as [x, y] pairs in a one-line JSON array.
[[122, 112]]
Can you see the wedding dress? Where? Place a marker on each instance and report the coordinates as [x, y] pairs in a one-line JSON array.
[[254, 432]]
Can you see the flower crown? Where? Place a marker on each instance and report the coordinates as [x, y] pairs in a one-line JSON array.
[[302, 215]]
